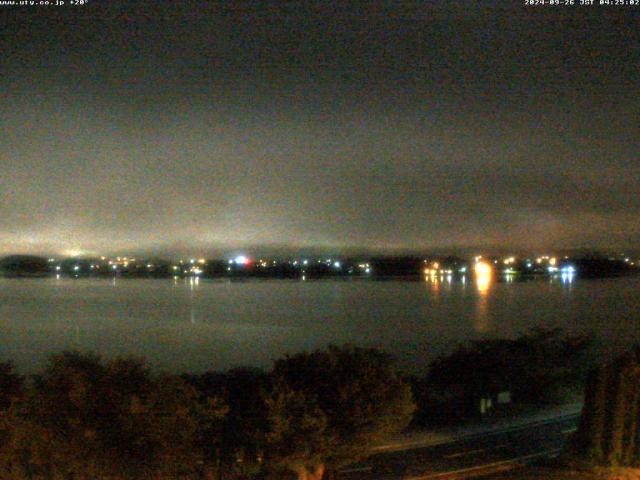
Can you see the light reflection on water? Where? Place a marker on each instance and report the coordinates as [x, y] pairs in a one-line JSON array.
[[197, 324]]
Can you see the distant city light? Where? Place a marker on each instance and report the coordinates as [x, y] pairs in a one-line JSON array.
[[336, 264], [484, 272], [482, 269], [241, 260]]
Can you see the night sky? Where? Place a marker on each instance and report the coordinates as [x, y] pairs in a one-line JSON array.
[[386, 125]]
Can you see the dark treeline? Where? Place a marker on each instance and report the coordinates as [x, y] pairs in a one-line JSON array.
[[541, 367], [84, 417], [378, 267]]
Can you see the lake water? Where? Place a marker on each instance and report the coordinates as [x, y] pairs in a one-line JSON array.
[[196, 325]]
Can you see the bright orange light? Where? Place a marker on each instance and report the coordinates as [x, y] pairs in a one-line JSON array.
[[484, 273], [483, 269], [436, 265]]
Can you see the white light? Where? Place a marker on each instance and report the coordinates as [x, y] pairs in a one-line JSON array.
[[336, 264], [76, 268], [305, 262], [241, 260], [367, 270], [58, 268]]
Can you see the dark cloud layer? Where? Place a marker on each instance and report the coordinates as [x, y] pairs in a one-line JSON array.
[[389, 125]]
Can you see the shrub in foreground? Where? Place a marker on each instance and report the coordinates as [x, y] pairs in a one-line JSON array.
[[328, 408], [536, 368], [88, 418]]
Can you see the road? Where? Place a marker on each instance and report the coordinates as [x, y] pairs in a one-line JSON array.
[[470, 456]]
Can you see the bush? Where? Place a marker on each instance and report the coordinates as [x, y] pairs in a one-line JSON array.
[[537, 368], [329, 407], [84, 417]]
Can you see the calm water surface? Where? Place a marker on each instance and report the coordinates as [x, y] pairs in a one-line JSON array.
[[199, 325]]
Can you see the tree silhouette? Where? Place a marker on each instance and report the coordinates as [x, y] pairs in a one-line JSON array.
[[329, 407], [87, 418]]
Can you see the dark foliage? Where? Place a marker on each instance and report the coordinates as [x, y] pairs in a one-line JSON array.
[[329, 407], [535, 368], [24, 265], [11, 385], [87, 418]]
